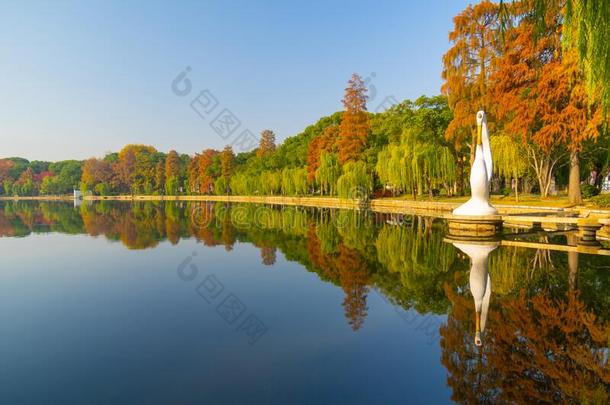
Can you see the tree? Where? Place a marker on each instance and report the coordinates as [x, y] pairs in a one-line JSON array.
[[571, 119], [540, 94], [25, 183], [227, 159], [354, 127], [125, 168], [5, 169], [328, 173], [160, 176], [422, 159], [96, 172], [325, 142], [355, 182], [172, 173], [467, 66], [267, 143], [172, 164], [509, 159], [207, 171], [587, 31]]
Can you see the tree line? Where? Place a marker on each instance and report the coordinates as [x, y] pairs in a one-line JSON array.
[[519, 61]]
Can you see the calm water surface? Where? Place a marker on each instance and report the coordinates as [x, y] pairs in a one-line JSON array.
[[210, 303]]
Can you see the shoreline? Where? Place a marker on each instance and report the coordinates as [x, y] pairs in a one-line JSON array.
[[389, 205]]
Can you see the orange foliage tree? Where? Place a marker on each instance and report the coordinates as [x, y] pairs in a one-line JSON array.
[[467, 66], [354, 128], [200, 177], [325, 142], [266, 143], [5, 168], [540, 94], [96, 171]]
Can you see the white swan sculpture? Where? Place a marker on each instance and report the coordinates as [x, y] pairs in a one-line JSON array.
[[480, 282], [480, 175]]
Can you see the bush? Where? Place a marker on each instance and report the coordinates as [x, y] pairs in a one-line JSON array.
[[602, 200], [588, 190]]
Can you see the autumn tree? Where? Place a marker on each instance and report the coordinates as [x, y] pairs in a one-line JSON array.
[[192, 174], [354, 127], [6, 181], [125, 168], [5, 169], [134, 168], [266, 144], [325, 142], [587, 31], [467, 66], [571, 119], [97, 176], [541, 97]]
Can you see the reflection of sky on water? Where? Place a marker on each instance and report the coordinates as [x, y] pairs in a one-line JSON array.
[[83, 318]]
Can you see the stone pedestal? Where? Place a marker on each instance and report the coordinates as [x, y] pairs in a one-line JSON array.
[[471, 227]]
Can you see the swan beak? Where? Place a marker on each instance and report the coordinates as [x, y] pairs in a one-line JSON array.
[[479, 131]]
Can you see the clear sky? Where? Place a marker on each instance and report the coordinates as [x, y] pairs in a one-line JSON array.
[[82, 78]]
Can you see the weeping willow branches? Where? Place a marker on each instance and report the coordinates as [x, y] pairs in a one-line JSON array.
[[587, 29]]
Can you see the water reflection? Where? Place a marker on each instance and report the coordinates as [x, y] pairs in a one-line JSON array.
[[541, 337], [480, 282]]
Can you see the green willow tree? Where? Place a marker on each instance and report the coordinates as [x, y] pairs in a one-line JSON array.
[[422, 159], [509, 159], [328, 173], [355, 182]]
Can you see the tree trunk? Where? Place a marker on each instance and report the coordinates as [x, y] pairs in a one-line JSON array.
[[543, 166], [461, 180], [572, 263], [574, 184]]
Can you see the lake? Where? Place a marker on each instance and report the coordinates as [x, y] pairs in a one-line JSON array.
[[212, 303]]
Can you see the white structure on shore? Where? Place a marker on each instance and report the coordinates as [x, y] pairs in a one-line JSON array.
[[480, 175]]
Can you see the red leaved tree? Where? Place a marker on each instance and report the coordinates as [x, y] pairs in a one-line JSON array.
[[354, 127]]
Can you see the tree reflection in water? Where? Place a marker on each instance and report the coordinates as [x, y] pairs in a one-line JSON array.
[[547, 327]]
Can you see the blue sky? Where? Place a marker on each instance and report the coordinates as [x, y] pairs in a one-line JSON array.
[[81, 78]]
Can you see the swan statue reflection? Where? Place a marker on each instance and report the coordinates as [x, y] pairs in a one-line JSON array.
[[480, 174], [480, 282]]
